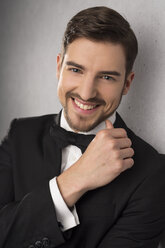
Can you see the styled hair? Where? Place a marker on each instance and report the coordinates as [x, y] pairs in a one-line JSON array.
[[102, 24]]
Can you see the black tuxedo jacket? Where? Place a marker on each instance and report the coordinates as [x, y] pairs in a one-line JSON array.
[[129, 212]]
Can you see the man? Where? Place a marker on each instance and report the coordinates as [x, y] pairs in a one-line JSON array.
[[51, 194]]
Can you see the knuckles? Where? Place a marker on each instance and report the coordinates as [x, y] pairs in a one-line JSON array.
[[116, 154], [123, 132], [112, 145], [119, 166], [102, 134]]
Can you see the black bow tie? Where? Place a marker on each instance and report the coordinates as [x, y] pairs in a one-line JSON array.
[[64, 138]]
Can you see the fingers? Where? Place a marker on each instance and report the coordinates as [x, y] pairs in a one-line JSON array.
[[127, 163], [108, 124], [113, 132], [126, 153], [119, 144], [124, 165], [124, 143]]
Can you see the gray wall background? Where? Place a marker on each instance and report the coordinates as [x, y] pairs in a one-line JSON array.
[[30, 37]]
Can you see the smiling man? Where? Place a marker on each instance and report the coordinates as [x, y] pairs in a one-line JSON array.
[[82, 178], [91, 84]]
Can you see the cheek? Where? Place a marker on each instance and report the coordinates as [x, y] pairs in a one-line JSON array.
[[66, 82], [65, 85], [61, 92], [62, 85], [112, 96]]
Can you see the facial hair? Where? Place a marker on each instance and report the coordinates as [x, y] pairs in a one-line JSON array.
[[87, 128]]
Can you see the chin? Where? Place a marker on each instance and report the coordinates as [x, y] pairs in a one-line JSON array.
[[85, 125]]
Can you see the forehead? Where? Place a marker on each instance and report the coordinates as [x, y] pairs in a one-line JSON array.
[[94, 54]]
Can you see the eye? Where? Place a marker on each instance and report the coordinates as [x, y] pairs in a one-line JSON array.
[[76, 70], [107, 77]]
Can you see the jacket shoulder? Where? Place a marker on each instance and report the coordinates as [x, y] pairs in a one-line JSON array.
[[31, 125], [146, 156]]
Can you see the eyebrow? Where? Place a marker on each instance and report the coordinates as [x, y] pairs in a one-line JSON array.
[[75, 64], [114, 73]]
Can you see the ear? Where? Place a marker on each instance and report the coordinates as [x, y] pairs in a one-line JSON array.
[[58, 69], [128, 82]]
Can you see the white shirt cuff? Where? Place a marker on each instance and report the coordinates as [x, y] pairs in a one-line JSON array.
[[67, 218]]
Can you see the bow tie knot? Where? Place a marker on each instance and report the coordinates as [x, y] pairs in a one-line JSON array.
[[72, 138], [64, 138]]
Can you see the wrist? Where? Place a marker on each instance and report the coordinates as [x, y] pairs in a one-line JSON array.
[[70, 187]]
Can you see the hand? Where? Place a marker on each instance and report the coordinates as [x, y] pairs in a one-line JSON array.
[[108, 155]]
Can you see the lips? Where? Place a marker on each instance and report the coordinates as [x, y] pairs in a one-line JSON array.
[[85, 106]]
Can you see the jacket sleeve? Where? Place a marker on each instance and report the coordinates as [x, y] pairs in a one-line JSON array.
[[33, 218], [143, 219]]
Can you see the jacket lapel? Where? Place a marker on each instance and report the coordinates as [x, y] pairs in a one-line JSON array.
[[119, 123], [52, 153]]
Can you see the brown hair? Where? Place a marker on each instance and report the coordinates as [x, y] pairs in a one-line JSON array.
[[102, 24]]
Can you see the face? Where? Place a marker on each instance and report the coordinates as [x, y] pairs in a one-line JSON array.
[[91, 82]]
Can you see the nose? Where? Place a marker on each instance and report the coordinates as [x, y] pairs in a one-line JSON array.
[[87, 88]]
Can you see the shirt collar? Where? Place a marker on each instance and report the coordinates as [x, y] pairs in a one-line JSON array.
[[64, 124]]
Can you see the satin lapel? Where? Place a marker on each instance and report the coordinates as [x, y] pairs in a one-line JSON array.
[[52, 153], [119, 123]]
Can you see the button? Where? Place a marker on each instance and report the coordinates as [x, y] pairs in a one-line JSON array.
[[45, 242], [38, 244]]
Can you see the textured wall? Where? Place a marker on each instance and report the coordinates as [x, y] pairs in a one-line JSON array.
[[30, 35]]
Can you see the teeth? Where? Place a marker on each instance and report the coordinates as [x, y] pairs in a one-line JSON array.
[[82, 106]]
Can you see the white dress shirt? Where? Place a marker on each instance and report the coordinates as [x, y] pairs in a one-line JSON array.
[[70, 154]]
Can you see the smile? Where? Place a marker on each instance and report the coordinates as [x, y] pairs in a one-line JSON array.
[[84, 106]]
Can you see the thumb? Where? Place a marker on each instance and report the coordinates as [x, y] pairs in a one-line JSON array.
[[108, 124]]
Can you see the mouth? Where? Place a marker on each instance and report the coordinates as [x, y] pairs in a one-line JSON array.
[[86, 107]]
